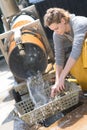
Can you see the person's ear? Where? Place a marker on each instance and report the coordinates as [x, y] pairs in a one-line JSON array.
[[63, 21]]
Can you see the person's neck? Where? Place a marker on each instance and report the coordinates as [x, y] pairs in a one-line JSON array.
[[68, 28]]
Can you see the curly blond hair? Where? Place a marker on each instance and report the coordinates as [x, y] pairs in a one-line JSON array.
[[54, 15]]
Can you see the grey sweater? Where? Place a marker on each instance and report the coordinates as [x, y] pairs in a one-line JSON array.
[[74, 40]]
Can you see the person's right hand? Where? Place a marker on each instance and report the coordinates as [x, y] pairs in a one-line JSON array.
[[58, 86]]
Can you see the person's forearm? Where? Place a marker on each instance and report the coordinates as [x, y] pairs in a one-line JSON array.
[[70, 63], [58, 71]]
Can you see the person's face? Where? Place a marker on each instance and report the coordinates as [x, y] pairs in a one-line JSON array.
[[59, 28]]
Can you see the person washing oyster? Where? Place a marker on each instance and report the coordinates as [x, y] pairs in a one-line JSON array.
[[69, 32]]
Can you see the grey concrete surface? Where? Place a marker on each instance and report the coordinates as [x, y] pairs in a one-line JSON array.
[[6, 83], [7, 102]]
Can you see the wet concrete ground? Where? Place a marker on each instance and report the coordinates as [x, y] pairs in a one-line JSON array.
[[6, 83], [8, 120]]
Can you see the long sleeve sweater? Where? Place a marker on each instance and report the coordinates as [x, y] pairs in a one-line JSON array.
[[74, 38]]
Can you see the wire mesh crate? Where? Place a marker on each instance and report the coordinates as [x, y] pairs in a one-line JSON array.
[[62, 101]]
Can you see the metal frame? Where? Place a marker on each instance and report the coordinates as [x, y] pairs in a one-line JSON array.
[[35, 25]]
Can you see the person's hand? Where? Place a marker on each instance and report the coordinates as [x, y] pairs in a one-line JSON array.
[[54, 90], [57, 87], [61, 85]]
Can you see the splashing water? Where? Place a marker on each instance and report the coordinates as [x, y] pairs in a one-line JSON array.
[[36, 90]]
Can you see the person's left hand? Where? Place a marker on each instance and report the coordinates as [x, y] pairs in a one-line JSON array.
[[57, 87]]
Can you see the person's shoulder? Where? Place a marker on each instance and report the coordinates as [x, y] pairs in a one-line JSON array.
[[78, 21], [78, 18]]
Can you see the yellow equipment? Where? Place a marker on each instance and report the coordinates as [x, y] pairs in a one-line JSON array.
[[79, 71]]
